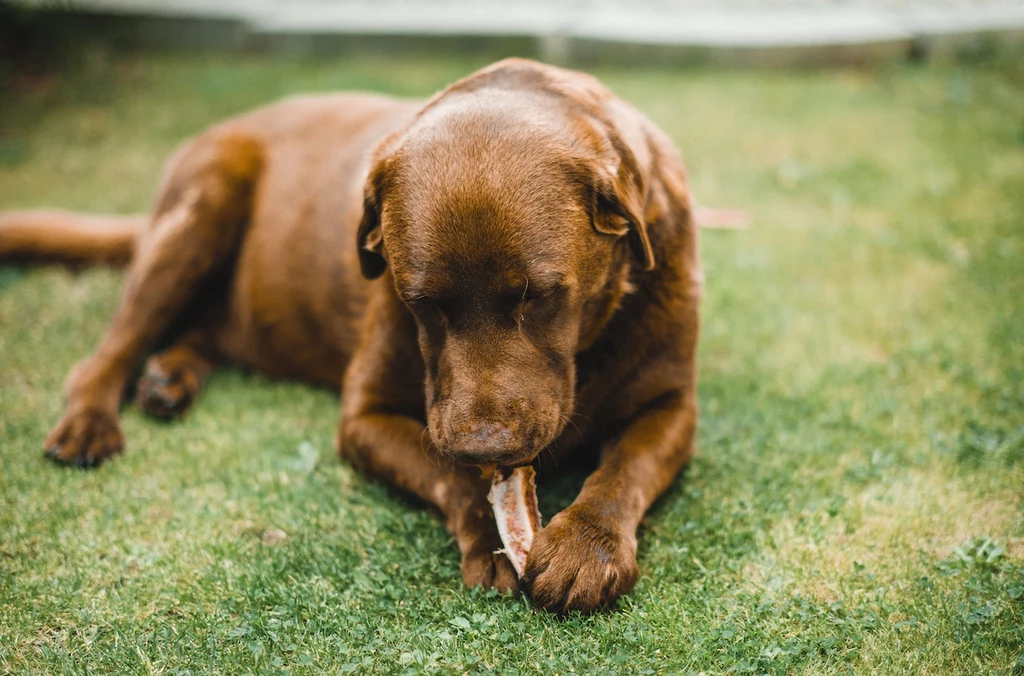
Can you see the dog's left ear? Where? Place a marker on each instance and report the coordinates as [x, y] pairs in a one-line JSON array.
[[619, 197], [369, 238]]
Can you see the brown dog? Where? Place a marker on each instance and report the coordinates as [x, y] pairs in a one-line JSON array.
[[537, 283]]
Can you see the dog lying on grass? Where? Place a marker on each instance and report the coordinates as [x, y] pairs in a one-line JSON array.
[[505, 270]]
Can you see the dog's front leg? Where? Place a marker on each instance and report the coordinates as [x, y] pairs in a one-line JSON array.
[[395, 450], [585, 558], [383, 435]]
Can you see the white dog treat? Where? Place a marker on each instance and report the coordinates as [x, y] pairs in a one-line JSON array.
[[514, 499]]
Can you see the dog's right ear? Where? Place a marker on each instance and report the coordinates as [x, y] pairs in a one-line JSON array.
[[369, 237]]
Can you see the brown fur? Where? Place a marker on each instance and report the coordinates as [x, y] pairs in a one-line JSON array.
[[525, 281]]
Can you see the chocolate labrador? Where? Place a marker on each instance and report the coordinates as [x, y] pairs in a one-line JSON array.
[[507, 270]]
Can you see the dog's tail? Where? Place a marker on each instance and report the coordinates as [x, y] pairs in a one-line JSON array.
[[65, 237]]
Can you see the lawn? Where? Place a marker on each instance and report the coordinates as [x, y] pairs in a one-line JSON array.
[[856, 505]]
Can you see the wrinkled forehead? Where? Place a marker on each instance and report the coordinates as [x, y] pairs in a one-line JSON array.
[[468, 241], [481, 216]]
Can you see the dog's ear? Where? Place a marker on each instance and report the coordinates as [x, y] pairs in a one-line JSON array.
[[619, 201], [369, 238]]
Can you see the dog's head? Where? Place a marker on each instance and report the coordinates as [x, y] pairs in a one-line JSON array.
[[503, 215]]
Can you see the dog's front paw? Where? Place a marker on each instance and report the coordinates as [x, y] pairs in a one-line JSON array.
[[484, 566], [166, 390], [85, 437], [580, 561]]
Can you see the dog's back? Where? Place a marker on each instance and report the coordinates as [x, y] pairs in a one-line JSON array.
[[292, 304], [297, 297]]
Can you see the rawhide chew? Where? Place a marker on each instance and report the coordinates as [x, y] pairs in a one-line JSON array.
[[514, 499]]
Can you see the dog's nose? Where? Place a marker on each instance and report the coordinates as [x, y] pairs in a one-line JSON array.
[[485, 441], [489, 434]]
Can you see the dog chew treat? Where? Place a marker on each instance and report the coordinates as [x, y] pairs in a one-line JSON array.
[[514, 499]]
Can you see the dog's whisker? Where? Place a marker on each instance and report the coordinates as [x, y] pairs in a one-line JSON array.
[[431, 458], [551, 450], [566, 420]]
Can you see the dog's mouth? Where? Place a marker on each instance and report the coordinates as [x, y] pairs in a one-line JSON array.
[[505, 462], [489, 469], [488, 446]]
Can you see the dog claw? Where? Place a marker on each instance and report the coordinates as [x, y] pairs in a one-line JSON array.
[[84, 438], [160, 398], [165, 396], [158, 378]]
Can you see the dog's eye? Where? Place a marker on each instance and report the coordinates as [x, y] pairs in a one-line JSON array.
[[417, 301], [532, 295], [531, 299], [535, 292], [426, 310]]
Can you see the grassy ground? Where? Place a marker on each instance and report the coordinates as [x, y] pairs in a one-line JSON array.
[[857, 504]]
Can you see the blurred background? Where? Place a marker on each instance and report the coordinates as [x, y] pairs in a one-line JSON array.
[[765, 32], [102, 54]]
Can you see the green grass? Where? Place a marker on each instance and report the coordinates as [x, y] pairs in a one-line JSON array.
[[857, 504]]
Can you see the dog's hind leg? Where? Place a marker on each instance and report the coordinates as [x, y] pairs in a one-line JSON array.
[[203, 210], [172, 377]]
